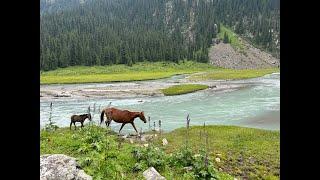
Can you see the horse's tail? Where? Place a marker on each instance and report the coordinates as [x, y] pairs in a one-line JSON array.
[[101, 116]]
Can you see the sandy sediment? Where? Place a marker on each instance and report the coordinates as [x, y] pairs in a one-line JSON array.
[[124, 90]]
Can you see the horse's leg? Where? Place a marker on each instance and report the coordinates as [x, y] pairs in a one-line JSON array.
[[82, 124], [70, 125], [134, 127], [75, 127], [122, 127]]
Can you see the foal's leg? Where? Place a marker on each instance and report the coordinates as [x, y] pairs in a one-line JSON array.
[[75, 127], [70, 125], [122, 127], [82, 124]]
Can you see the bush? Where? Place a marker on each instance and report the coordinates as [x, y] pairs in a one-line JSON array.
[[203, 167], [150, 157], [182, 158]]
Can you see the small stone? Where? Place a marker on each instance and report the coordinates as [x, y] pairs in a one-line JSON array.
[[217, 159], [145, 145], [131, 141], [188, 168], [143, 138], [124, 136], [164, 141], [152, 174]]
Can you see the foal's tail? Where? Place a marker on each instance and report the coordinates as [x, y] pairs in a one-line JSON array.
[[101, 116]]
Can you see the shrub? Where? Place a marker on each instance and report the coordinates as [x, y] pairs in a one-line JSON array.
[[182, 158], [150, 156]]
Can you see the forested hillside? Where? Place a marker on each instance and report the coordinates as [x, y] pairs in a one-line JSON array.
[[105, 32]]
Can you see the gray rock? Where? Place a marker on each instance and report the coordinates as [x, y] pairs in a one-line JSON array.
[[60, 166], [152, 174]]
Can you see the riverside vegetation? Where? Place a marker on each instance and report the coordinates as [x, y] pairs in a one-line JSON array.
[[242, 152], [183, 89]]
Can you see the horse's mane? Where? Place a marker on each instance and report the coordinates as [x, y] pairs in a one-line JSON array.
[[84, 115]]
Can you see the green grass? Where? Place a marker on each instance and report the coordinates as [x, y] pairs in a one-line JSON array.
[[145, 71], [232, 74], [244, 152], [235, 43], [183, 89], [119, 73]]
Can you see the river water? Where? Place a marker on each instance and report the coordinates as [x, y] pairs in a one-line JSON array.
[[257, 105]]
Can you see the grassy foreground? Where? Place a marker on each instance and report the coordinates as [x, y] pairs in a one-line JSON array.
[[244, 152], [119, 73], [183, 89], [232, 74]]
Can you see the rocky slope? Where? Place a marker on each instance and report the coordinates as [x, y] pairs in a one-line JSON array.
[[224, 55]]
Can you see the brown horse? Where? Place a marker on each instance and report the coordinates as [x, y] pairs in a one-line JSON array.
[[121, 116], [79, 118]]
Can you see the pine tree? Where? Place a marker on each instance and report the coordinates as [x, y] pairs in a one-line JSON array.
[[225, 38]]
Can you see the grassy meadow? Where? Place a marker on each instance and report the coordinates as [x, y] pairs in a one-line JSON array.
[[119, 73], [145, 71], [232, 74]]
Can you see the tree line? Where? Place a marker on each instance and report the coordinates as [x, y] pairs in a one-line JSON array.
[[106, 32]]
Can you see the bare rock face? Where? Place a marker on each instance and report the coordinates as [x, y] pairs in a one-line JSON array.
[[152, 174], [59, 166]]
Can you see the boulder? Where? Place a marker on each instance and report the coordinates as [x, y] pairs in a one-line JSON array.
[[152, 174], [60, 166]]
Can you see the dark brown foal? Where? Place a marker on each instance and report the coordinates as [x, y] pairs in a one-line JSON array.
[[79, 118]]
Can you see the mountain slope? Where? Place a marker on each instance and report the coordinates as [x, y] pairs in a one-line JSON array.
[[106, 32]]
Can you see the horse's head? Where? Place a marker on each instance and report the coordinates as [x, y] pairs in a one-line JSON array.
[[141, 116], [89, 117]]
